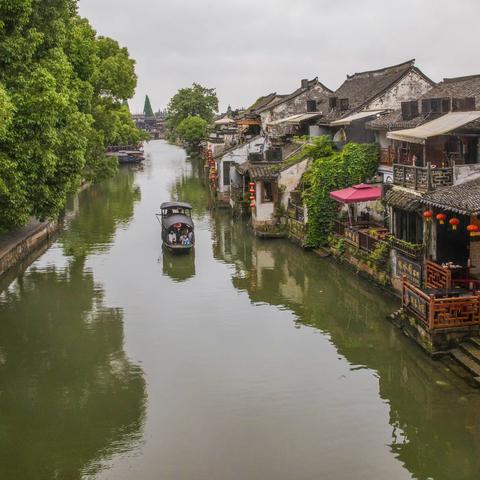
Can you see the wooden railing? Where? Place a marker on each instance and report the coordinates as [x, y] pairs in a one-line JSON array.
[[422, 179], [216, 140], [438, 276], [357, 234], [441, 313], [388, 156], [237, 194], [295, 211], [411, 250]]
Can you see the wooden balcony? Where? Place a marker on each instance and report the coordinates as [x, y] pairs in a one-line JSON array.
[[296, 212], [388, 156], [414, 251], [438, 311], [448, 277], [363, 235], [422, 179]]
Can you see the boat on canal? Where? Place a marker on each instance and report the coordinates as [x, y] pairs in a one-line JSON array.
[[177, 226], [127, 153]]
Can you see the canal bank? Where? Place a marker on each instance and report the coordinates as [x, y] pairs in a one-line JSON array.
[[27, 243], [248, 359]]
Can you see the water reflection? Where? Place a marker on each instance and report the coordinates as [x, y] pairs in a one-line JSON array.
[[69, 397], [435, 417], [178, 267], [102, 209], [189, 188]]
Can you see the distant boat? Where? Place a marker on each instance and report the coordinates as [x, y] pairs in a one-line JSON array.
[[130, 156], [177, 226], [126, 155]]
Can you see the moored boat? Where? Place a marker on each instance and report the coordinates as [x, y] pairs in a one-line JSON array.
[[177, 226]]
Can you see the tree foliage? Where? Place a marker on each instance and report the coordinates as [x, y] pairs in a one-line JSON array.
[[332, 170], [195, 101], [62, 90], [191, 131]]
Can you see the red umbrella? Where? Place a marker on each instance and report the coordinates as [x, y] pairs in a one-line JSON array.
[[357, 193]]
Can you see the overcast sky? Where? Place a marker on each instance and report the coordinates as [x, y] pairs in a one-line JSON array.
[[247, 48]]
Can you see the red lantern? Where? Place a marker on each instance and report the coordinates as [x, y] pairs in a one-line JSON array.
[[252, 191], [252, 184], [454, 222], [473, 229], [441, 217], [427, 215], [252, 204]]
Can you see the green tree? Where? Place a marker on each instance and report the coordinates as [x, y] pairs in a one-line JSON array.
[[147, 107], [332, 170], [192, 131], [62, 90], [196, 101]]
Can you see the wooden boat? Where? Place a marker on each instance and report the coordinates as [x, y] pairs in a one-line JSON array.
[[128, 156], [177, 226]]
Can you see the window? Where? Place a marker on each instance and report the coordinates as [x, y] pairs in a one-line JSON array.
[[435, 105], [344, 104], [311, 105], [409, 110], [267, 192], [332, 102], [226, 172], [463, 104], [408, 226]]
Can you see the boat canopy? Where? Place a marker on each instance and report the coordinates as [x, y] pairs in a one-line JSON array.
[[171, 220], [167, 205]]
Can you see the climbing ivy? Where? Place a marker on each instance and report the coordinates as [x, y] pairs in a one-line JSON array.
[[330, 170]]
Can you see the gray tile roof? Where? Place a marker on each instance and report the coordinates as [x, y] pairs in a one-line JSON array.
[[291, 96], [463, 199], [458, 87], [260, 170], [403, 199], [363, 87]]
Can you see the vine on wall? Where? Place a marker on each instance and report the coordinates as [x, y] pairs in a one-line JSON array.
[[332, 170]]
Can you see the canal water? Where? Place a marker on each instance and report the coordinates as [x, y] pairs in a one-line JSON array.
[[249, 360]]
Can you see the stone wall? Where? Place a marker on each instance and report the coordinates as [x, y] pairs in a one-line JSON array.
[[21, 249], [410, 87]]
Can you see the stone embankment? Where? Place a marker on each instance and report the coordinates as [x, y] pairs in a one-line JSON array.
[[19, 244]]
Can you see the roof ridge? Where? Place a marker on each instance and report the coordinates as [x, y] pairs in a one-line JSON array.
[[411, 63], [460, 79]]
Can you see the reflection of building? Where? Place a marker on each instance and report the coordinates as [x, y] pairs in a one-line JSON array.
[[352, 315]]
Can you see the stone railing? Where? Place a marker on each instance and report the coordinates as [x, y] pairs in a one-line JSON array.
[[422, 179]]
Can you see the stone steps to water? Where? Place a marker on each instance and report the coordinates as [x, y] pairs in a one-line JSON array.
[[467, 362], [471, 350], [475, 341]]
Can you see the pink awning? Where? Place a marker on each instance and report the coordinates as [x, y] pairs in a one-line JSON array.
[[357, 193]]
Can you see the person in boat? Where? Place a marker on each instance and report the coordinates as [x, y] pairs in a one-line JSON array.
[[172, 237]]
